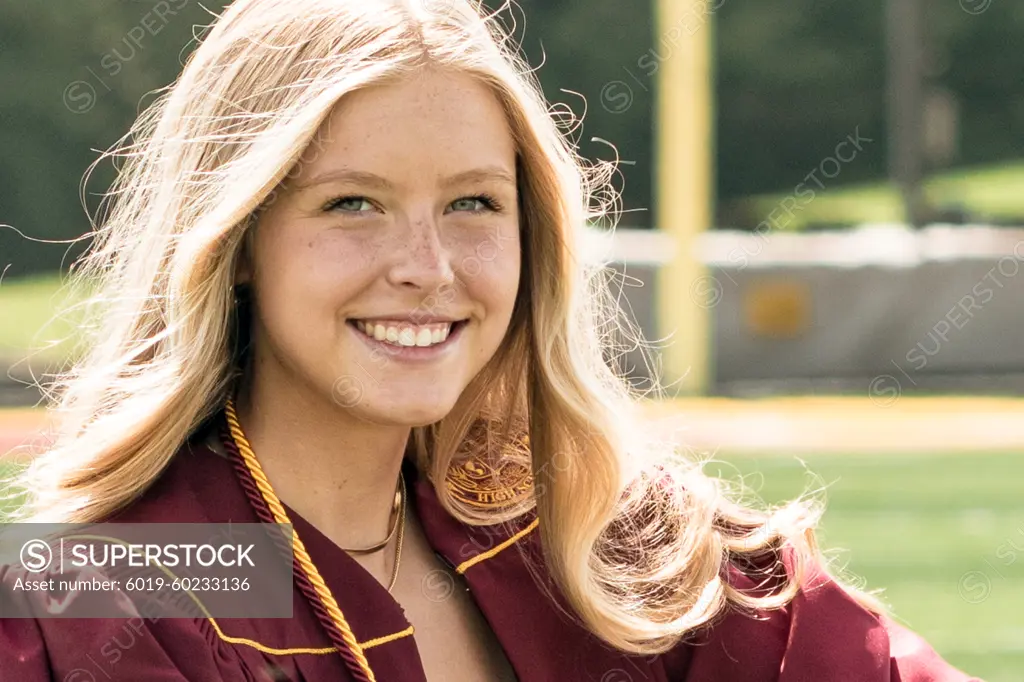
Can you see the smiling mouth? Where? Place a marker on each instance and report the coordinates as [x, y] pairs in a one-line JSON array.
[[406, 334]]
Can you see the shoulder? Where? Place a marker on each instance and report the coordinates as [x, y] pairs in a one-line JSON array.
[[823, 634], [198, 485], [39, 643], [44, 637]]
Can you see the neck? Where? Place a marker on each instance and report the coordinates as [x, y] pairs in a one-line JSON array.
[[338, 472]]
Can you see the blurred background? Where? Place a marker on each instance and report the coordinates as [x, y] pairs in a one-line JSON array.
[[820, 231]]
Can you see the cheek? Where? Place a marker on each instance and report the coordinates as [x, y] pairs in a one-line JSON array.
[[489, 266], [303, 279], [312, 266]]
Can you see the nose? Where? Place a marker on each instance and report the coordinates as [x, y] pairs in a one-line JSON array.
[[420, 259]]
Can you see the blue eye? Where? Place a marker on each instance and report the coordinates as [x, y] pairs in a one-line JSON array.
[[467, 204], [349, 205], [475, 204]]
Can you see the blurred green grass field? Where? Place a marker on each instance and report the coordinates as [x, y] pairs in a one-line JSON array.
[[942, 534], [8, 501], [31, 318], [992, 191]]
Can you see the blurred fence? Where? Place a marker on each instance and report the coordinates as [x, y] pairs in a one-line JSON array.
[[882, 310]]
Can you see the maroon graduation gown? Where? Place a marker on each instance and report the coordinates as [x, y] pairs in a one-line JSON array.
[[823, 635]]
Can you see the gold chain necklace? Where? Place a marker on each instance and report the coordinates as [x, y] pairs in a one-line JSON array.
[[249, 457], [398, 510]]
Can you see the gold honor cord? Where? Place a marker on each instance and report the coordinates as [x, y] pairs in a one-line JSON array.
[[301, 555]]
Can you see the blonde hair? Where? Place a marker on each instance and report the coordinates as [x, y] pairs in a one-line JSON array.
[[635, 536]]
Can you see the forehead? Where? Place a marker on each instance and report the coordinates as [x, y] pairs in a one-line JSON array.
[[431, 121]]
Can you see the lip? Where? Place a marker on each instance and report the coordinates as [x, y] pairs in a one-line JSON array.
[[413, 354], [410, 318]]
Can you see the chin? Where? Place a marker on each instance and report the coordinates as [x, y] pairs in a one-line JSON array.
[[410, 414]]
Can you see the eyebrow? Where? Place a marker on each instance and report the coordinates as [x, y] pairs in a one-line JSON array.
[[483, 174]]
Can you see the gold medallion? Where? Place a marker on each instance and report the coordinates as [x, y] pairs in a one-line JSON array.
[[478, 484]]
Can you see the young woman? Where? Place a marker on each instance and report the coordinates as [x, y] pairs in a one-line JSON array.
[[341, 289]]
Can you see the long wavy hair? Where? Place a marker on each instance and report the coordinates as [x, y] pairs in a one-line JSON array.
[[635, 536]]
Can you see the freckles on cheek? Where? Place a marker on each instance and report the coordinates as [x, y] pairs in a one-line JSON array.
[[332, 255]]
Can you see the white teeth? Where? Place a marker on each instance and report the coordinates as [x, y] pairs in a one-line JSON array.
[[405, 334]]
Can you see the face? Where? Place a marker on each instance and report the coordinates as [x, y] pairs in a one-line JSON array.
[[386, 267]]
